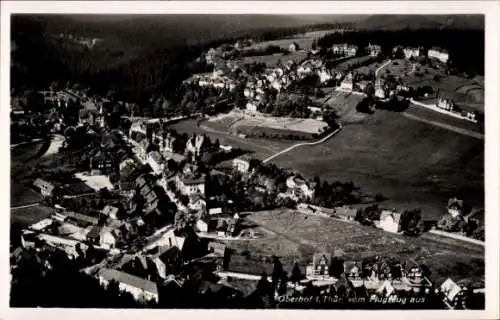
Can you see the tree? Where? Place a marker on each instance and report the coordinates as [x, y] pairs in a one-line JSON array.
[[336, 267], [411, 222], [278, 272], [296, 274]]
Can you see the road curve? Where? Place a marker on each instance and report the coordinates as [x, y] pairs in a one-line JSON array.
[[303, 144]]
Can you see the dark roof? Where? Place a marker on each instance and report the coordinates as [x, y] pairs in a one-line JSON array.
[[122, 277], [81, 217], [94, 232], [39, 183]]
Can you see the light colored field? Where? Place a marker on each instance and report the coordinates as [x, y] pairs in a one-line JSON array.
[[236, 119], [308, 126]]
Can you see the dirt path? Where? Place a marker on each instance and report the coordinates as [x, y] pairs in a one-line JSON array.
[[303, 144], [446, 126]]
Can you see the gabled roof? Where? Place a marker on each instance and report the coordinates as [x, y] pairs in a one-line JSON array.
[[40, 183], [109, 210], [455, 203], [134, 281]]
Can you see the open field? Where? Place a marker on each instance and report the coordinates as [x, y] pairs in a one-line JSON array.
[[344, 105], [21, 195], [256, 148], [444, 259], [412, 163], [23, 153], [30, 215], [398, 67], [304, 41]]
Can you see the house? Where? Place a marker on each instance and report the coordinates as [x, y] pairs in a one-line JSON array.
[[346, 213], [81, 218], [102, 236], [46, 188], [165, 257], [196, 202], [300, 187], [353, 269], [385, 289], [197, 145], [413, 272], [141, 289], [251, 107], [455, 207], [390, 221], [438, 53], [345, 49], [374, 49], [69, 246], [156, 162], [347, 83], [213, 211], [167, 238], [217, 248], [192, 184], [241, 165], [202, 225], [320, 264], [445, 104], [450, 289], [411, 52], [103, 163], [110, 211], [293, 47]]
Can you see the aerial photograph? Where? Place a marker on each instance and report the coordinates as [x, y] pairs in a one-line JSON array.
[[246, 161]]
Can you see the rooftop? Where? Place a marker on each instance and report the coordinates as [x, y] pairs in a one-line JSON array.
[[122, 277]]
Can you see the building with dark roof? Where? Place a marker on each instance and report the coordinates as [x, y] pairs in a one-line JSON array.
[[141, 289]]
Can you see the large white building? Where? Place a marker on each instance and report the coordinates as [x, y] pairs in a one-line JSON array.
[[438, 53], [411, 52], [345, 49]]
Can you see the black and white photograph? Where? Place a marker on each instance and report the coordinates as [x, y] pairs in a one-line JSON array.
[[248, 161]]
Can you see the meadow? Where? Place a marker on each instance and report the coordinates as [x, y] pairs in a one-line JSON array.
[[412, 163]]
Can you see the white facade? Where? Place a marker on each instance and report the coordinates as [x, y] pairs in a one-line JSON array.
[[411, 52], [241, 165], [137, 293], [438, 54], [202, 226], [389, 224]]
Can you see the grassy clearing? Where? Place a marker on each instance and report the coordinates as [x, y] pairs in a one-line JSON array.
[[30, 215], [412, 163], [358, 242], [346, 64]]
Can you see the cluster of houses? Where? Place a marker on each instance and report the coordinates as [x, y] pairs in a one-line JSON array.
[[450, 106], [217, 79], [382, 277]]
